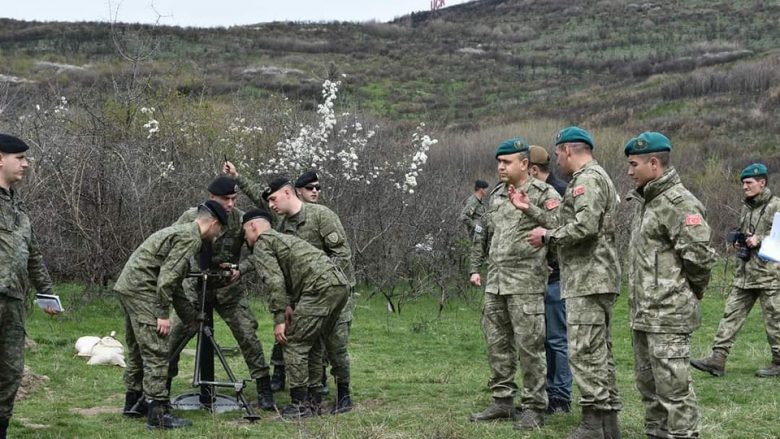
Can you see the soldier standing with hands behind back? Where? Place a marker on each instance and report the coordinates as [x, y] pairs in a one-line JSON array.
[[669, 265]]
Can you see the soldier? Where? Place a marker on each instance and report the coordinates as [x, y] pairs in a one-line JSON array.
[[307, 293], [590, 270], [308, 187], [227, 295], [513, 314], [558, 372], [22, 264], [754, 278], [320, 227], [669, 265], [150, 281], [474, 208]]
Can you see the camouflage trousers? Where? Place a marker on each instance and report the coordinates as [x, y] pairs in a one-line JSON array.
[[339, 361], [242, 323], [147, 353], [589, 326], [12, 316], [514, 332], [311, 327], [664, 381], [738, 306]]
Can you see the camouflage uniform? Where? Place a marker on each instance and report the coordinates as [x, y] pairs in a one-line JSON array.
[[320, 227], [471, 213], [590, 274], [150, 281], [669, 266], [21, 264], [299, 275], [513, 314], [754, 279], [229, 300]]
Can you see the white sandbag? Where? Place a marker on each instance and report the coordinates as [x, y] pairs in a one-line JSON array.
[[85, 344], [107, 357], [108, 344]]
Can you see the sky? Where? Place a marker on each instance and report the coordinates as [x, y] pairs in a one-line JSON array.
[[211, 12]]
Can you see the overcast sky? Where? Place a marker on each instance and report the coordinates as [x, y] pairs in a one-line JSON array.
[[212, 12]]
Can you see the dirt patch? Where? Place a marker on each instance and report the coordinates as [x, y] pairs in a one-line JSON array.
[[30, 383], [94, 411], [30, 344], [31, 425]]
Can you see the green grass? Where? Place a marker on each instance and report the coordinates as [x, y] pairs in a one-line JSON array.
[[414, 376]]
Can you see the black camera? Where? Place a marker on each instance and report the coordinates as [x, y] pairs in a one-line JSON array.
[[735, 236]]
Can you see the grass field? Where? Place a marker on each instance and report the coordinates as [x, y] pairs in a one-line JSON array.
[[414, 376]]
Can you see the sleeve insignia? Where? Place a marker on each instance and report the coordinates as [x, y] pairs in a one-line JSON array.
[[551, 204], [693, 219], [579, 190]]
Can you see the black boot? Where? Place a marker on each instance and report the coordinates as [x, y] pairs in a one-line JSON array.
[[131, 398], [315, 401], [343, 402], [139, 409], [324, 391], [160, 417], [4, 427], [298, 407], [265, 396], [277, 379]]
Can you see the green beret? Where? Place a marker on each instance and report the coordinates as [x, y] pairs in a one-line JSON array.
[[512, 146], [754, 171], [647, 142], [12, 145], [574, 135]]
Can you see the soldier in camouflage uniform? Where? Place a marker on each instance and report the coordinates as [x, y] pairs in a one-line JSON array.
[[21, 264], [474, 208], [226, 294], [590, 273], [513, 314], [150, 282], [669, 266], [320, 227], [754, 279], [307, 293]]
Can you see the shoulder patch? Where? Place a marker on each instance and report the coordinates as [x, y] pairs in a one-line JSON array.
[[693, 219], [477, 228], [552, 203], [333, 238], [579, 190]]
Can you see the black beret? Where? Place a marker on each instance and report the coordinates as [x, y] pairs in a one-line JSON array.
[[306, 178], [12, 145], [481, 184], [223, 186], [216, 210], [275, 185], [256, 213]]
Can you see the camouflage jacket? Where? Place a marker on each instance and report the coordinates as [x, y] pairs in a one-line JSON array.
[[514, 266], [315, 224], [21, 261], [292, 268], [756, 218], [155, 271], [670, 257], [471, 213], [585, 241]]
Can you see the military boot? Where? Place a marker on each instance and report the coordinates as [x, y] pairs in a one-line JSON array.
[[343, 402], [529, 419], [610, 424], [131, 398], [315, 401], [502, 408], [557, 406], [265, 396], [715, 364], [160, 417], [277, 379], [771, 371], [298, 407], [591, 425], [4, 427], [139, 409]]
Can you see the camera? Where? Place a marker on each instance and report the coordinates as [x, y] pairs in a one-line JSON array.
[[226, 270], [735, 236]]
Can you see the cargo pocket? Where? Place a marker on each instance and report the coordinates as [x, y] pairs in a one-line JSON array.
[[672, 350], [582, 311]]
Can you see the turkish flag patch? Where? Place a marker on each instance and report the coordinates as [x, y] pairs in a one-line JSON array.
[[551, 204], [579, 190], [693, 219]]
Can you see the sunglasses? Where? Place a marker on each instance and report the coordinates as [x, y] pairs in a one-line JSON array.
[[313, 187]]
